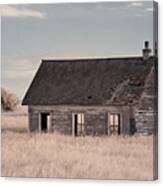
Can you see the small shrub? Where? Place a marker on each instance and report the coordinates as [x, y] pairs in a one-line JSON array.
[[9, 100]]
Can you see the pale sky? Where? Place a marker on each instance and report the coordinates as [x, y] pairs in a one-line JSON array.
[[30, 33]]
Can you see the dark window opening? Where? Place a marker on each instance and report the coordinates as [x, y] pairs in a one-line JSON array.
[[45, 122], [132, 126], [75, 124], [115, 124], [78, 124], [89, 97]]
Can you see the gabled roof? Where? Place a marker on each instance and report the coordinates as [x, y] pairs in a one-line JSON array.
[[95, 81]]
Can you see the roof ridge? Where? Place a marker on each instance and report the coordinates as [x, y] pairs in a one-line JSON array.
[[90, 59]]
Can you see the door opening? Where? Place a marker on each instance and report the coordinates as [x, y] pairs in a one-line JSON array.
[[114, 124], [78, 124], [45, 122]]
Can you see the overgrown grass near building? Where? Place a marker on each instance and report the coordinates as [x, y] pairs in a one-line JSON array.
[[54, 155]]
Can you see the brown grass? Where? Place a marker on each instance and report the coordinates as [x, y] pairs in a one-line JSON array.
[[53, 155]]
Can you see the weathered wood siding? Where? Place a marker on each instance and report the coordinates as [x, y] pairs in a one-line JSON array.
[[145, 121], [33, 120], [146, 112], [95, 118]]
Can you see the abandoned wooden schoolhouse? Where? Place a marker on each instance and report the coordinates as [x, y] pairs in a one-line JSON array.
[[95, 96]]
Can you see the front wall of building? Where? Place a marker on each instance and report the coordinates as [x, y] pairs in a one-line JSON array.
[[95, 118]]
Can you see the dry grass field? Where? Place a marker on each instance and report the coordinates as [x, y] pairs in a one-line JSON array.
[[53, 155]]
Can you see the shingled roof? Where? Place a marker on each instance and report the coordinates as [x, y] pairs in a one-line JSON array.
[[99, 81]]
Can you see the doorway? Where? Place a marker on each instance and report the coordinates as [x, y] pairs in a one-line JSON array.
[[78, 128], [44, 122], [114, 123]]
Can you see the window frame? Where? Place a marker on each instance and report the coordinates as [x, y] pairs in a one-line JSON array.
[[49, 122], [114, 128], [80, 125]]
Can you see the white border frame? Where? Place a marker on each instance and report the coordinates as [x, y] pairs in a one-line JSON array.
[[85, 182]]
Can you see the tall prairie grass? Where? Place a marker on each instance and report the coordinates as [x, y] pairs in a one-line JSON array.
[[54, 155]]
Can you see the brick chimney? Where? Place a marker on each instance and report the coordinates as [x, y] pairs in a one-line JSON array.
[[146, 51]]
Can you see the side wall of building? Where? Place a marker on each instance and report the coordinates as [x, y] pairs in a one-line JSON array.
[[146, 112], [95, 118]]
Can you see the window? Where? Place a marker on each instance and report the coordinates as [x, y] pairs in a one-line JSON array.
[[114, 123], [78, 124], [44, 122]]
